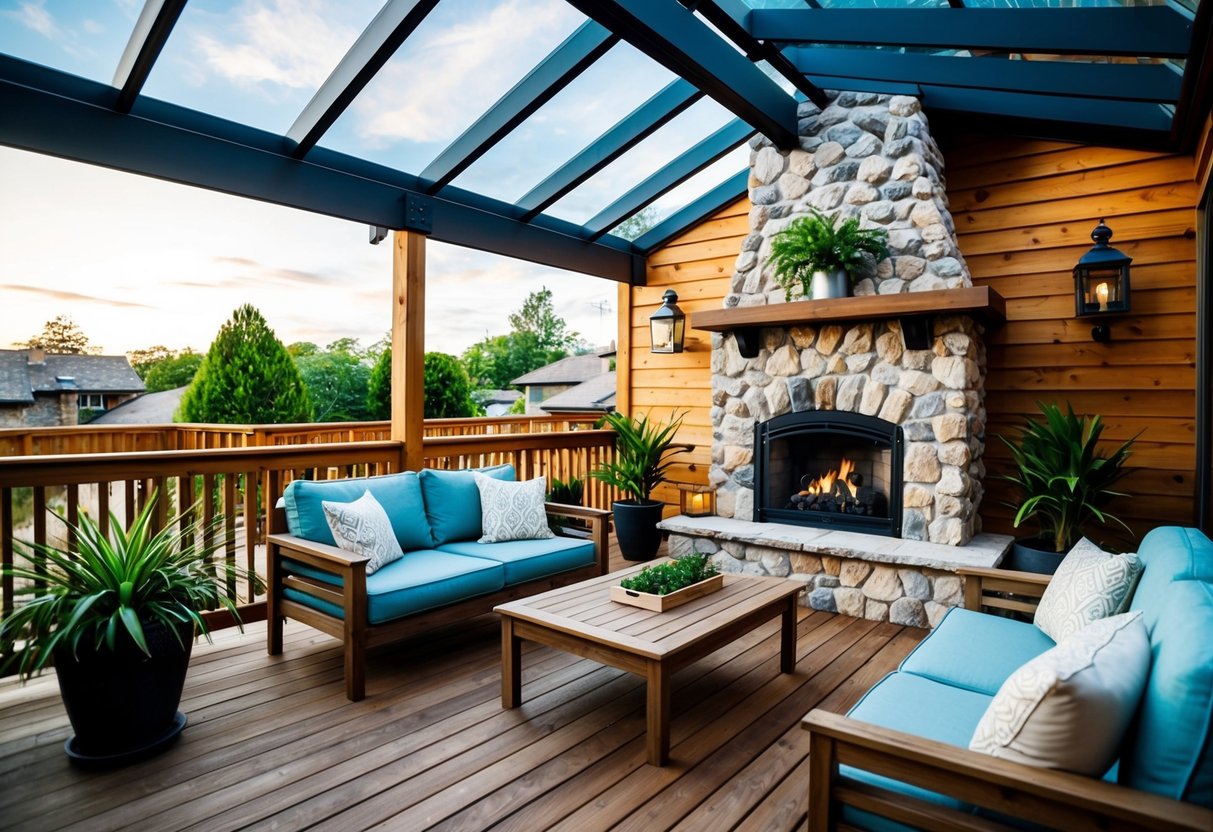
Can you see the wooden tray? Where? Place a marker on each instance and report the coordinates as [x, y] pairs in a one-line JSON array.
[[661, 603]]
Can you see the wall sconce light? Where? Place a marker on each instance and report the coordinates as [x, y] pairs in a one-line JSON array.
[[1101, 282], [695, 499], [667, 325]]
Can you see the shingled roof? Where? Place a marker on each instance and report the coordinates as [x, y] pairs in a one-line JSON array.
[[20, 378], [595, 395], [572, 370]]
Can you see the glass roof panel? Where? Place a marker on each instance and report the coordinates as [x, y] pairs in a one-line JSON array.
[[257, 62], [82, 37], [664, 146], [714, 174], [459, 62], [614, 86]]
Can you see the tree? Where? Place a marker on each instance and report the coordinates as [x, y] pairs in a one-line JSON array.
[[336, 378], [637, 224], [448, 391], [538, 318], [379, 387], [248, 377], [538, 337], [173, 372], [62, 336]]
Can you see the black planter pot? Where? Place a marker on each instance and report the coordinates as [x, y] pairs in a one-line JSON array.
[[1033, 554], [636, 528], [123, 704]]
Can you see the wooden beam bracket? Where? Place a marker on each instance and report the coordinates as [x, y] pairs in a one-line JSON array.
[[749, 341]]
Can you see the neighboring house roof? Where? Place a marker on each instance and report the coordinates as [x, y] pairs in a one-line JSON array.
[[488, 397], [596, 395], [148, 409], [20, 379], [572, 370]]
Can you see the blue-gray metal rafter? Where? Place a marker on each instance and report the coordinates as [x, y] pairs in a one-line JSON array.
[[729, 16], [1122, 82], [685, 166], [378, 42], [1135, 31], [581, 49], [72, 117], [633, 128], [693, 213], [673, 37], [155, 24]]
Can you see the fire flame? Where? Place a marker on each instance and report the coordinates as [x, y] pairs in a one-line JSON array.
[[826, 482]]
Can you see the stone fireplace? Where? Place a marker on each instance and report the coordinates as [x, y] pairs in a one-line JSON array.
[[891, 381]]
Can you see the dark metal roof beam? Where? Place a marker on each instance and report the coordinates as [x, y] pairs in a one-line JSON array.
[[155, 24], [1196, 91], [71, 117], [1136, 31], [676, 39], [729, 16], [375, 46], [676, 172], [589, 43], [1121, 82], [723, 194], [626, 134]]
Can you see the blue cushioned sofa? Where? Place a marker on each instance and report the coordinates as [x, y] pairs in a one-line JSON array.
[[444, 576], [900, 758]]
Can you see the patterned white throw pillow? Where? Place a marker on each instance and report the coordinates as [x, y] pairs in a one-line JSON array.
[[512, 510], [363, 527], [1069, 707], [1089, 584]]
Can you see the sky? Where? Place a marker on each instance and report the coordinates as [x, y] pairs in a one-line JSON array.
[[138, 262]]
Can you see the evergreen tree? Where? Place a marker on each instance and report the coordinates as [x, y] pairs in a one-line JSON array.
[[448, 391], [62, 336], [379, 388], [336, 379], [247, 377], [171, 373]]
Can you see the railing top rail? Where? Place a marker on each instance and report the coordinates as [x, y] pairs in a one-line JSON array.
[[506, 441]]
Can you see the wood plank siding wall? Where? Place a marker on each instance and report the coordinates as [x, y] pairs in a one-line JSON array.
[[1024, 211], [698, 265]]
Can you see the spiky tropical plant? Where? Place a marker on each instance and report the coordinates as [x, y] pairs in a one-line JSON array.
[[104, 589], [816, 243], [1063, 480], [643, 450]]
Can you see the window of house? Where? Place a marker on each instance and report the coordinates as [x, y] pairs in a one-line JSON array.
[[534, 394], [95, 401]]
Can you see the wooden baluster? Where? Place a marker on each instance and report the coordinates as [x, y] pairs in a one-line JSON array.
[[228, 502], [73, 516], [39, 532], [103, 508], [250, 520], [6, 549]]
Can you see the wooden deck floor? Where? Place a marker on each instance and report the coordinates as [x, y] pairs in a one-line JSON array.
[[273, 743]]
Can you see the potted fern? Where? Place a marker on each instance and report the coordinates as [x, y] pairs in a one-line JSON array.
[[643, 448], [821, 258], [117, 613], [1064, 484]]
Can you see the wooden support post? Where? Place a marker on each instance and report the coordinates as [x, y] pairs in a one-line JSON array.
[[623, 351], [408, 346]]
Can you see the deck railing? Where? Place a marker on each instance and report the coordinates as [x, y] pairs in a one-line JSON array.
[[244, 481]]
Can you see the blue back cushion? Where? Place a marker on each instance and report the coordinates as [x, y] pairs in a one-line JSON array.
[[452, 502], [1170, 748], [399, 494], [1170, 553]]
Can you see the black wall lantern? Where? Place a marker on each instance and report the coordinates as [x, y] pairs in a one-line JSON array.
[[668, 325], [1101, 282]]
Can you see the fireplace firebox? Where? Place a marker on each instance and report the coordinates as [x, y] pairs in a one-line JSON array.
[[829, 469]]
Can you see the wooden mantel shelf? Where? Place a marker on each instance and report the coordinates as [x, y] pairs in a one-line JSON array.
[[913, 308]]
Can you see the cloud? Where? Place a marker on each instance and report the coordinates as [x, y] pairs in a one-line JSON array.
[[274, 275], [33, 15], [411, 100], [235, 261], [288, 43], [61, 295]]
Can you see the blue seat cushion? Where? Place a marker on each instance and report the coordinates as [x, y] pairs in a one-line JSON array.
[[526, 560], [399, 494], [419, 581], [452, 501], [1169, 553], [975, 651], [925, 708], [1169, 750]]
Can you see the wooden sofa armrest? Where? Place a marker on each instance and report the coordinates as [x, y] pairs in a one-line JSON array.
[[599, 521], [1054, 799], [320, 555], [981, 586]]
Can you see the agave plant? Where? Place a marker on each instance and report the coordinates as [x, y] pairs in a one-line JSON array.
[[1063, 479], [108, 588], [814, 243], [643, 448]]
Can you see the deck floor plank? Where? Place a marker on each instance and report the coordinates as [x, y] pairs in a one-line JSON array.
[[272, 741]]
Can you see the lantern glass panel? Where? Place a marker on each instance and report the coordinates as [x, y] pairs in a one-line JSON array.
[[662, 334], [1102, 290]]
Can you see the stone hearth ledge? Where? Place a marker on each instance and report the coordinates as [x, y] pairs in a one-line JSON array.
[[909, 582]]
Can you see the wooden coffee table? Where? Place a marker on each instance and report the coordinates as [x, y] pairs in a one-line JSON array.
[[582, 620]]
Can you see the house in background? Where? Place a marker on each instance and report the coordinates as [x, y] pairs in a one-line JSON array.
[[555, 378], [597, 395], [147, 409], [496, 402], [37, 389]]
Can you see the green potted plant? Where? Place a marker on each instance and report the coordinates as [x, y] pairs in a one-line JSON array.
[[821, 258], [117, 614], [1064, 483], [643, 450]]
